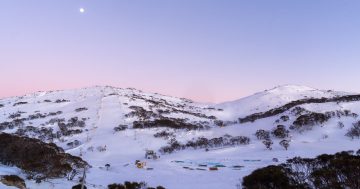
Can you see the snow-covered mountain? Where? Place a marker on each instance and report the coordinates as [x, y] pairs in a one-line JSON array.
[[107, 125]]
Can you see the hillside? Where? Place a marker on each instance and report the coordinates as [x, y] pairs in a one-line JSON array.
[[107, 125]]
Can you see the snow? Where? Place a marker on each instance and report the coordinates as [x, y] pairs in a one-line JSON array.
[[269, 99], [107, 107]]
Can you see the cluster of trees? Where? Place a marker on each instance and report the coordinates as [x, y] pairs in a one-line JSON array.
[[81, 109], [40, 116], [18, 122], [74, 144], [310, 119], [283, 118], [42, 133], [296, 111], [221, 123], [175, 123], [261, 134], [19, 103], [11, 124], [354, 131], [279, 132], [196, 114], [340, 170], [120, 128], [132, 185], [164, 134], [268, 143], [201, 143], [174, 108], [307, 121], [67, 129], [141, 113], [36, 157], [61, 100], [15, 115], [284, 143], [166, 108], [341, 113], [288, 106]]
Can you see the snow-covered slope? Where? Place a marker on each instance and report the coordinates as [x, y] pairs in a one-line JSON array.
[[272, 98], [107, 125]]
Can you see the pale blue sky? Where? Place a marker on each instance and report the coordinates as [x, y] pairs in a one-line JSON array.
[[206, 50]]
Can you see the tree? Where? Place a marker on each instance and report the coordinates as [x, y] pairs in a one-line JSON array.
[[262, 134], [341, 125], [268, 177], [107, 166], [354, 131], [280, 132], [268, 143], [340, 170], [78, 187], [285, 144]]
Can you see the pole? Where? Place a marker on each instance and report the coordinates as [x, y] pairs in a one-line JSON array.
[[83, 179]]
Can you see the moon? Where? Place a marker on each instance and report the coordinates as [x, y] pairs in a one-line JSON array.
[[82, 10]]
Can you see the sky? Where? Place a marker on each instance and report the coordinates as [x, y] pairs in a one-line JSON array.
[[205, 50]]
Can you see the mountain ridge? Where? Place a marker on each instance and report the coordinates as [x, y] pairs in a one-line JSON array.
[[115, 126]]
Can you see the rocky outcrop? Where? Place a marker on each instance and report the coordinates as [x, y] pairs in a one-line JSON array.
[[36, 158], [13, 180]]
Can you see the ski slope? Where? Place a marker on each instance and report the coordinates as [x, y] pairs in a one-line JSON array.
[[108, 107]]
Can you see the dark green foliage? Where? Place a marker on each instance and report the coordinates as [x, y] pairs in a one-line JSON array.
[[262, 134], [271, 177], [341, 170], [354, 131], [78, 187], [13, 180], [285, 144], [36, 157], [174, 123], [15, 115], [311, 119], [120, 128], [10, 125], [61, 101], [284, 118], [288, 106], [132, 185], [280, 132], [164, 134], [268, 143], [116, 186], [307, 121], [67, 129], [201, 143], [341, 125], [19, 103], [81, 109]]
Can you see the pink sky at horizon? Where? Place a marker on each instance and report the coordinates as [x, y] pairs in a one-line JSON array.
[[192, 94], [208, 51]]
